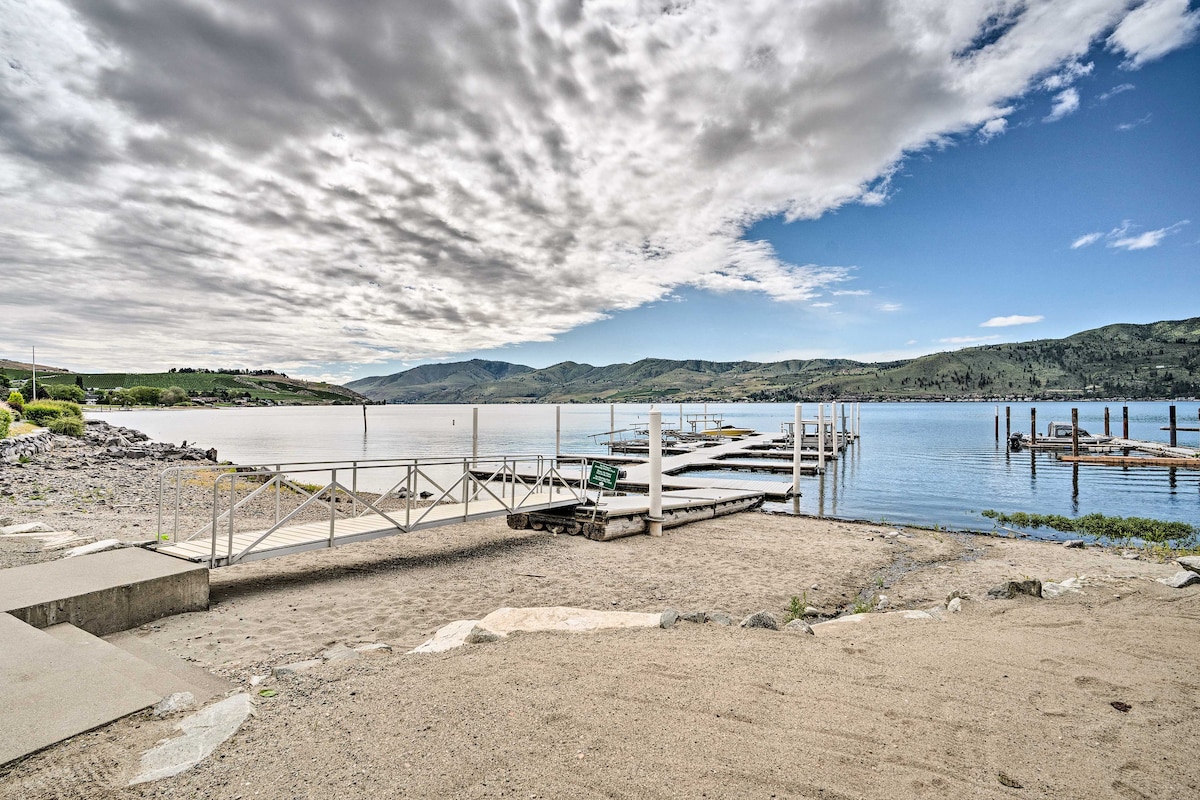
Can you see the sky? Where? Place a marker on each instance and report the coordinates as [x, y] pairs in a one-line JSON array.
[[340, 190]]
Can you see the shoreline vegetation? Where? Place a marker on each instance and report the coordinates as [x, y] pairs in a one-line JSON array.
[[956, 695]]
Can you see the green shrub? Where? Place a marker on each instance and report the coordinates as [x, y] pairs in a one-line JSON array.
[[5, 421], [67, 426], [17, 401], [43, 411]]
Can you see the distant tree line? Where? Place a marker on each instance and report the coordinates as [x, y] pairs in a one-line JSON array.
[[225, 371]]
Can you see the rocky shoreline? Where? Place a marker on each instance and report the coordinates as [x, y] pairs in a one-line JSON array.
[[103, 485]]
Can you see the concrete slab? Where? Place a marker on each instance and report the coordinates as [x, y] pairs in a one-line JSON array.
[[173, 674], [104, 593], [48, 692]]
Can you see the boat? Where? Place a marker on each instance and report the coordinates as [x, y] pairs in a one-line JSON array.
[[1058, 434], [727, 430]]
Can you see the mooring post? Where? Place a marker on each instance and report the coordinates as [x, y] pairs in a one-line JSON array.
[[1124, 422], [681, 417], [857, 420], [475, 435], [1032, 426], [1107, 429], [1171, 417], [1074, 431], [997, 423], [557, 431], [1007, 423], [364, 417], [821, 436], [654, 521], [797, 427]]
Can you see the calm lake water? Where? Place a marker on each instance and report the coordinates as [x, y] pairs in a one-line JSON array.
[[916, 463]]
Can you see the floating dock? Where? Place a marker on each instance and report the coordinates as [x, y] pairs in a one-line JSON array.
[[628, 515]]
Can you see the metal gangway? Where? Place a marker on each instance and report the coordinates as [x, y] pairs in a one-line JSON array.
[[264, 511]]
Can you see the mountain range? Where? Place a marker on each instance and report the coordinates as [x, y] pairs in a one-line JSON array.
[[1156, 360]]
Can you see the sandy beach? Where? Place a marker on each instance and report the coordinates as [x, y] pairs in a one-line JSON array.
[[1094, 693]]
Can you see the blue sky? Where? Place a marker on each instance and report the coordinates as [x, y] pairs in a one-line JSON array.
[[340, 190]]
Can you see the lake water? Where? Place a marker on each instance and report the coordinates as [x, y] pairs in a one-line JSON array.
[[916, 463]]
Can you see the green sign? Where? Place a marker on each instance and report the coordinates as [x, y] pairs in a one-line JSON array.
[[604, 475]]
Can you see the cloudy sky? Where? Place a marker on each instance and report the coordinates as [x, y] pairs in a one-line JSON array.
[[342, 189]]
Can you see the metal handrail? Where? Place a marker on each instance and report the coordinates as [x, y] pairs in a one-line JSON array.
[[469, 487]]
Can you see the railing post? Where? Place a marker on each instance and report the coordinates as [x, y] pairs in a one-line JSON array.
[[655, 520], [232, 504], [212, 560], [332, 505], [354, 481], [797, 424], [821, 436]]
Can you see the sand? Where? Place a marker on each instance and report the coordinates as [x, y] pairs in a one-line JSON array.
[[1004, 694]]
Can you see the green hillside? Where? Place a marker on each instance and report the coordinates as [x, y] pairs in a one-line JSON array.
[[1158, 360], [268, 386]]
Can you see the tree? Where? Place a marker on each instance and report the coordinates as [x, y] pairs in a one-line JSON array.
[[65, 391], [173, 396], [145, 395]]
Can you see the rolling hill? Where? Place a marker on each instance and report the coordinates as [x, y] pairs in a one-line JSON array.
[[1157, 360]]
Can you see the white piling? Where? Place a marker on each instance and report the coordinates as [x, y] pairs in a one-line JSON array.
[[833, 430], [654, 521], [857, 420], [821, 436], [797, 436], [844, 439], [474, 434], [557, 431]]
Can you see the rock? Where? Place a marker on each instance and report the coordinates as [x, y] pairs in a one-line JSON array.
[[955, 595], [339, 653], [668, 618], [799, 626], [882, 603], [718, 618], [447, 637], [373, 648], [425, 495], [26, 527], [255, 680], [812, 611], [1181, 579], [1130, 556], [1074, 543], [955, 605], [174, 703], [693, 616], [296, 667], [761, 619], [1051, 589], [1190, 563], [478, 635], [203, 732], [94, 547], [1029, 586]]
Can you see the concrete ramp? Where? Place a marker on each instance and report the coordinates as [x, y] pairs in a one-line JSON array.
[[48, 692]]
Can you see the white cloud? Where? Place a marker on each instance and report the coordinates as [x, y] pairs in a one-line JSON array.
[[1067, 76], [889, 307], [1144, 241], [1065, 102], [1121, 238], [821, 305], [850, 292], [1128, 126], [1154, 29], [993, 128], [1009, 321], [1116, 90], [968, 339], [288, 183]]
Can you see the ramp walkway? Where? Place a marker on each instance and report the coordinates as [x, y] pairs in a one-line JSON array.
[[282, 512]]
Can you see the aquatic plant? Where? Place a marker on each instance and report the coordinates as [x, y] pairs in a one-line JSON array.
[[1101, 527]]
